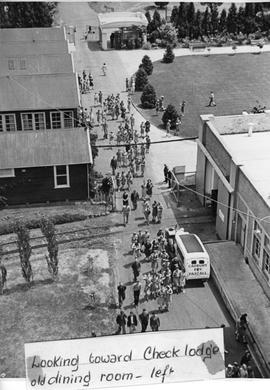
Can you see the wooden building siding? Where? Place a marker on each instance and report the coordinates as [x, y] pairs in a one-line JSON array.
[[47, 116], [36, 185]]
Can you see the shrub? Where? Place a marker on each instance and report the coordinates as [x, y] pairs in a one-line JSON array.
[[147, 46], [48, 230], [170, 113], [147, 65], [168, 55], [24, 247], [148, 97], [168, 33], [140, 79]]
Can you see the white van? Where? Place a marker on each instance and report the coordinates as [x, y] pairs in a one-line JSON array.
[[193, 255]]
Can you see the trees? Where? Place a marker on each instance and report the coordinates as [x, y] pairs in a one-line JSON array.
[[214, 18], [232, 19], [222, 21], [148, 98], [206, 22], [24, 247], [168, 33], [26, 14], [147, 65], [48, 230], [174, 14], [168, 55], [170, 113], [198, 25], [140, 79]]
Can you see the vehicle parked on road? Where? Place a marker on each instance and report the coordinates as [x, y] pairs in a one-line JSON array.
[[193, 255]]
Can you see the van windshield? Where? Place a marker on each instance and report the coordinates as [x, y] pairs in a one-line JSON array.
[[191, 243]]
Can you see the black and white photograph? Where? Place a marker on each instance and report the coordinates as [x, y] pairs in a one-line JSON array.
[[134, 193]]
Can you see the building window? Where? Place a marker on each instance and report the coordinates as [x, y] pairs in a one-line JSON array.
[[22, 64], [56, 120], [8, 172], [256, 250], [1, 124], [33, 121], [11, 65], [10, 124], [266, 256], [68, 118], [27, 122], [62, 119], [61, 176]]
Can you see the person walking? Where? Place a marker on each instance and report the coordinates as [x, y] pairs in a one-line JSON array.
[[104, 69], [182, 108], [211, 99], [177, 126], [169, 178], [134, 199], [132, 322], [144, 319], [182, 281], [168, 127], [146, 211], [121, 321], [154, 211], [154, 322], [136, 268], [159, 212], [143, 189], [125, 198], [165, 172], [136, 292], [176, 279], [113, 165], [149, 188], [126, 211], [121, 294]]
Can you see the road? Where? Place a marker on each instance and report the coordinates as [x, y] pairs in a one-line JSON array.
[[201, 305]]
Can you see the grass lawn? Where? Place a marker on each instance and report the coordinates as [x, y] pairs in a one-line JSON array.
[[238, 82], [61, 309]]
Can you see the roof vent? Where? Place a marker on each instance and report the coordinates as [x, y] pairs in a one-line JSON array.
[[250, 129]]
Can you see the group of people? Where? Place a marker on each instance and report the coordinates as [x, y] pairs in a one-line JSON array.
[[157, 208], [130, 84], [241, 370], [86, 82], [131, 321]]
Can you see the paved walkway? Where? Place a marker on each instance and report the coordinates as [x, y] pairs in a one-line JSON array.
[[192, 309]]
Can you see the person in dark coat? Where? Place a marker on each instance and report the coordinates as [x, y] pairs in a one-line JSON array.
[[121, 293], [132, 322], [134, 198], [136, 268], [147, 249], [165, 171], [125, 198], [137, 291], [154, 322], [121, 321], [144, 319], [113, 165], [154, 211], [169, 178]]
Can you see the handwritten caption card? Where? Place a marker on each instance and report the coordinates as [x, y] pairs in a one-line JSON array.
[[136, 359]]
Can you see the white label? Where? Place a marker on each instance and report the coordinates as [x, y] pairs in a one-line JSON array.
[[125, 360]]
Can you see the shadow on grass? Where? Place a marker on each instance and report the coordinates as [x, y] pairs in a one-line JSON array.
[[23, 287]]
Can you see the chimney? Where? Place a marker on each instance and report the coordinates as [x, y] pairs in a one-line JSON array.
[[250, 129]]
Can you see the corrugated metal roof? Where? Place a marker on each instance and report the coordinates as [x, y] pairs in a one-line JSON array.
[[9, 49], [41, 64], [26, 149], [38, 92], [32, 34]]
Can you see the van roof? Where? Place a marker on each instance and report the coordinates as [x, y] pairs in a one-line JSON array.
[[191, 243]]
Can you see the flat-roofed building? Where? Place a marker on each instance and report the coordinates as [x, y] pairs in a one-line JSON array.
[[37, 64], [233, 165]]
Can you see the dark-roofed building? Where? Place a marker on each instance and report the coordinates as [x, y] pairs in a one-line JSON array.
[[36, 64], [37, 102], [34, 34], [45, 166]]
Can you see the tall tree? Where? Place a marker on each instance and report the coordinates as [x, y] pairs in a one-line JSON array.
[[48, 230], [214, 18], [25, 250], [156, 19], [249, 10], [232, 19], [206, 22], [241, 19], [190, 13], [222, 21], [174, 15], [198, 25]]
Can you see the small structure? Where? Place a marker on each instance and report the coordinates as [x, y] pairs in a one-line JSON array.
[[122, 30]]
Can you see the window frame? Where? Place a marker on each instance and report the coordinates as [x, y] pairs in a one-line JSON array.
[[257, 241], [63, 120], [4, 122], [55, 175], [266, 253], [33, 119]]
